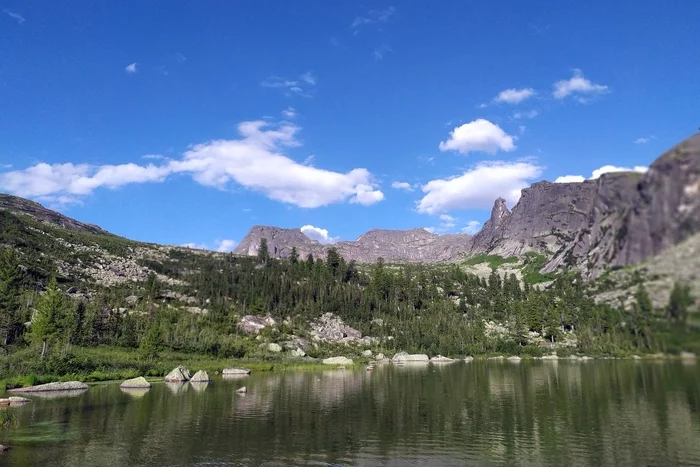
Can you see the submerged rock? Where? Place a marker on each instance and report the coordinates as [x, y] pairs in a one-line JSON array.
[[200, 377], [441, 359], [135, 383], [338, 361], [14, 400], [58, 386], [235, 371], [178, 375], [405, 357]]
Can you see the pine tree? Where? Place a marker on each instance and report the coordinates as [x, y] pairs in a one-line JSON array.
[[263, 252], [10, 277], [293, 255], [679, 302], [53, 320]]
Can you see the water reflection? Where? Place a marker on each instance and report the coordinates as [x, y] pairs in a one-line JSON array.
[[481, 413]]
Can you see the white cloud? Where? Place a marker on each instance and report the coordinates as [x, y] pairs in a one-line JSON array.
[[131, 68], [292, 86], [515, 96], [255, 161], [289, 112], [226, 246], [402, 186], [479, 135], [529, 114], [644, 139], [374, 16], [195, 246], [366, 195], [380, 52], [472, 227], [318, 234], [577, 85], [447, 220], [154, 157], [478, 187], [570, 179], [598, 172], [16, 16], [309, 78]]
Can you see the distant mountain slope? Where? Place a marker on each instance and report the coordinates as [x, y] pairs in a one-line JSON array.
[[40, 213], [618, 219]]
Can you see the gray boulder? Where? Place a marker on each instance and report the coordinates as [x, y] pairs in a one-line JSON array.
[[58, 386], [255, 324], [200, 377], [272, 347], [135, 383], [178, 375], [338, 361], [439, 359], [235, 371], [298, 353], [404, 357]]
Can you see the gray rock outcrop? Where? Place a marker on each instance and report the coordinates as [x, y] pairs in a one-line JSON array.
[[439, 359], [253, 323], [178, 375], [200, 377], [338, 361], [404, 357], [58, 386], [135, 383], [235, 371]]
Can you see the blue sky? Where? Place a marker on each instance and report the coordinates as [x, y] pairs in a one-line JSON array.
[[188, 124]]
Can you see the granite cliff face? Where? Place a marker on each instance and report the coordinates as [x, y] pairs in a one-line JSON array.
[[618, 219]]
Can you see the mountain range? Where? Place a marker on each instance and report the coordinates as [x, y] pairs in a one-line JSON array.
[[618, 219]]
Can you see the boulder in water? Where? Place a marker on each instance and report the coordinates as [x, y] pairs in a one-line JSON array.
[[338, 361], [687, 356], [242, 390], [235, 371], [135, 383], [200, 377], [58, 386], [440, 359], [178, 375], [514, 358], [468, 359], [404, 357], [14, 400]]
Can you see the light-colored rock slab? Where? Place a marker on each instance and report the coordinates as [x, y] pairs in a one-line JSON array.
[[58, 386], [338, 361], [135, 383]]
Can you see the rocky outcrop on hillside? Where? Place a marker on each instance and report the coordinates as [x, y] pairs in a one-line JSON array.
[[40, 213]]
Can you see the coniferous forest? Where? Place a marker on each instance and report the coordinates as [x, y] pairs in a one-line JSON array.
[[433, 309]]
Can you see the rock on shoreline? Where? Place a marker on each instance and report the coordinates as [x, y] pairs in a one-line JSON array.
[[338, 361], [405, 357], [178, 375], [235, 371], [58, 386]]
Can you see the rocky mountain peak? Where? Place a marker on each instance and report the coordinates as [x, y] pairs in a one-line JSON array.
[[499, 212]]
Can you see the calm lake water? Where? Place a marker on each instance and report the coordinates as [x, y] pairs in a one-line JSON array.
[[554, 413]]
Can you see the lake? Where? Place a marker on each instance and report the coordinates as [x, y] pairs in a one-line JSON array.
[[481, 413]]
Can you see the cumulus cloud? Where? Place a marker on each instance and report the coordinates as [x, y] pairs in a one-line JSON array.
[[226, 246], [254, 161], [16, 16], [447, 224], [318, 234], [577, 85], [514, 96], [289, 112], [299, 86], [402, 186], [479, 135], [472, 227], [598, 172], [478, 187], [131, 68], [373, 16], [529, 114]]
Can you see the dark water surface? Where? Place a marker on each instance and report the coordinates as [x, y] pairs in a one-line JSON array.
[[554, 413]]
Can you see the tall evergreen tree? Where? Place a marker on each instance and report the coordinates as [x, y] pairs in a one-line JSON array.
[[52, 323], [10, 278]]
